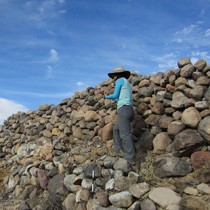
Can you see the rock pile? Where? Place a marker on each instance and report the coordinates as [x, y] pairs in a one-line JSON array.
[[61, 157]]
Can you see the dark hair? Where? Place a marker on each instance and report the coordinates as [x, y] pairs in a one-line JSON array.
[[120, 75]]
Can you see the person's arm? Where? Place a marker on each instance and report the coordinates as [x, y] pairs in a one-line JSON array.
[[115, 95]]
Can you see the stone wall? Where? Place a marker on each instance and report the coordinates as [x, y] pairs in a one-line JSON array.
[[61, 156]]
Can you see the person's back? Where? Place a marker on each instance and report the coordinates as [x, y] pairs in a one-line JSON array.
[[125, 97]]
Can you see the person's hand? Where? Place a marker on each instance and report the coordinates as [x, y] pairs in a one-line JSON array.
[[105, 93]]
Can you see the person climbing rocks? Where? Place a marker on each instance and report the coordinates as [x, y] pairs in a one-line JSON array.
[[122, 94]]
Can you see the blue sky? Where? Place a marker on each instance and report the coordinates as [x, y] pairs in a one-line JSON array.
[[50, 49]]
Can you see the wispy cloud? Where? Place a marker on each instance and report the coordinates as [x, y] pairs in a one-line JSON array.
[[50, 72], [207, 32], [81, 84], [53, 56], [41, 95], [166, 61], [61, 1], [8, 107], [58, 47], [195, 34], [40, 12], [178, 40], [187, 30], [195, 56], [187, 34]]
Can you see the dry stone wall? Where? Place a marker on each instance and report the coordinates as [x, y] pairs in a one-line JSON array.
[[61, 157]]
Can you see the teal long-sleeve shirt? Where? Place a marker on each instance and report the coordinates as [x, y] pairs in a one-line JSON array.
[[122, 93]]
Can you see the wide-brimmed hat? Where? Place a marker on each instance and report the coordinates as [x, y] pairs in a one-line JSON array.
[[119, 70]]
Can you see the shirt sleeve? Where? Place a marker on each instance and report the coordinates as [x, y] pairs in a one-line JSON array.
[[115, 95]]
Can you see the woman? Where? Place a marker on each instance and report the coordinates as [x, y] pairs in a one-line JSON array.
[[122, 130]]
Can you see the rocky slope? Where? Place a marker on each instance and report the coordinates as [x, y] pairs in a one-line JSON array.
[[61, 157]]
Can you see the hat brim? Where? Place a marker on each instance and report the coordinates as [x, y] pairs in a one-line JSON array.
[[125, 74]]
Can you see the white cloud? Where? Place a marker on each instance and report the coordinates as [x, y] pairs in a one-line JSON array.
[[168, 64], [187, 30], [178, 40], [8, 107], [207, 32], [50, 72], [199, 55], [41, 95], [167, 61], [53, 56], [79, 83], [61, 1], [195, 35], [40, 12], [164, 57]]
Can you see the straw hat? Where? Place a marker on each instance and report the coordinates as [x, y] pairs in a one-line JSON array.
[[119, 70]]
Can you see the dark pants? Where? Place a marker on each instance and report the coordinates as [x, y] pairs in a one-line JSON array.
[[122, 132]]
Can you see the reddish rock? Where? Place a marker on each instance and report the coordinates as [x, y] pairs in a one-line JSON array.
[[106, 133], [42, 178], [102, 198], [199, 159]]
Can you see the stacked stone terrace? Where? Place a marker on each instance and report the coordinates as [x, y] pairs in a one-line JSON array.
[[61, 157]]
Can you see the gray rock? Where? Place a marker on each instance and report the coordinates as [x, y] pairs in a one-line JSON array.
[[182, 62], [179, 100], [69, 181], [26, 150], [161, 141], [121, 164], [147, 204], [204, 188], [171, 166], [175, 127], [201, 105], [187, 70], [109, 161], [69, 202], [145, 91], [185, 142], [203, 128], [56, 184], [135, 206], [200, 65], [138, 190], [191, 117], [92, 171], [121, 183], [207, 96], [44, 107], [122, 199], [197, 93]]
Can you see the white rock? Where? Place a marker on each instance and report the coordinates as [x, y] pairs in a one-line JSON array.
[[203, 188], [164, 197], [109, 185], [122, 199], [191, 191]]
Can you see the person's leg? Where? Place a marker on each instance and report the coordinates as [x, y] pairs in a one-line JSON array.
[[116, 136], [125, 117]]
